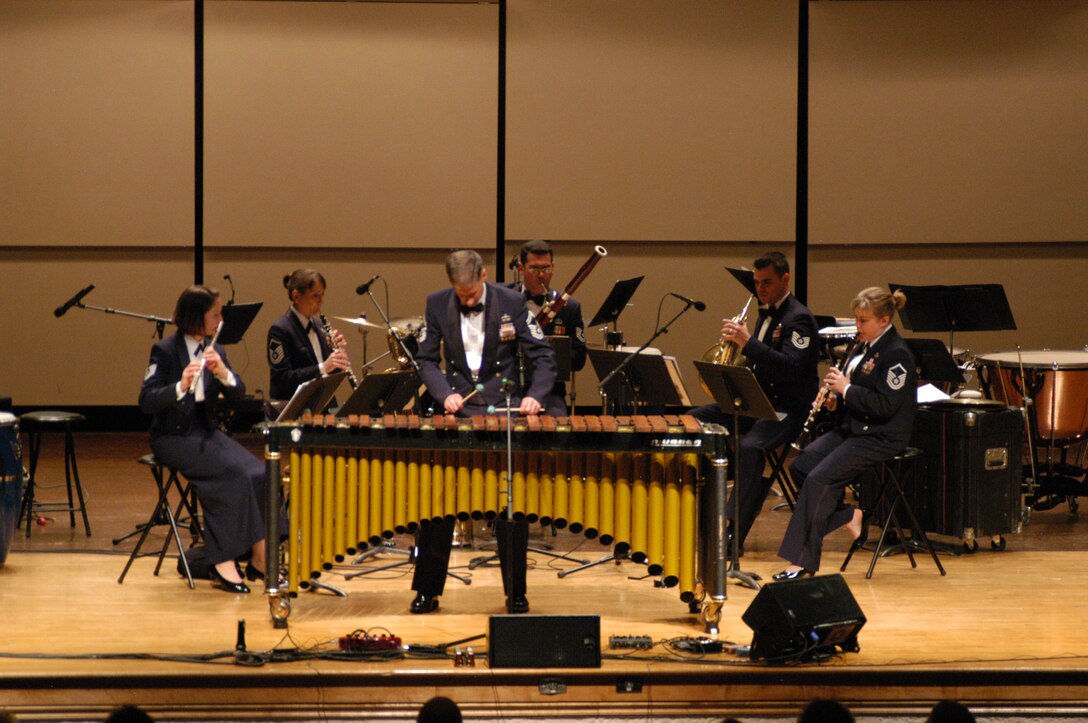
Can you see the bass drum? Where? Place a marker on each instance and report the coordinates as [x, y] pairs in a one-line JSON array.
[[1057, 381], [11, 481]]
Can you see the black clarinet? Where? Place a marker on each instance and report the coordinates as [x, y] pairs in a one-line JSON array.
[[821, 397], [327, 330]]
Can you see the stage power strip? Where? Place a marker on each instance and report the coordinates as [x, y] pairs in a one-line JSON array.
[[637, 642]]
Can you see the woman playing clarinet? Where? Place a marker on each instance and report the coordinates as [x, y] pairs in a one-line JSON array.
[[877, 394]]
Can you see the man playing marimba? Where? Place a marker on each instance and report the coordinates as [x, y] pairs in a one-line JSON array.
[[478, 327]]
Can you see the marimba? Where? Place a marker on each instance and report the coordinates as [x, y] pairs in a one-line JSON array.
[[634, 483]]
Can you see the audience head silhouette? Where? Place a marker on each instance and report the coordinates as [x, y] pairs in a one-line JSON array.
[[825, 711], [439, 710], [949, 711]]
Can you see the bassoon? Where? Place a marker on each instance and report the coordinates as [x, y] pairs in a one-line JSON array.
[[551, 307]]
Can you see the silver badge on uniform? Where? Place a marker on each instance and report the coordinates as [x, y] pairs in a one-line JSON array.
[[800, 342], [534, 328], [897, 377], [276, 354], [150, 370]]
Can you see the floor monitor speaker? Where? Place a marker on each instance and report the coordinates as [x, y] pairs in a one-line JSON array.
[[807, 618]]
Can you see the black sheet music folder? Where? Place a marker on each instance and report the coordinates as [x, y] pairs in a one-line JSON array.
[[313, 395], [646, 375], [963, 307], [934, 362], [381, 393], [616, 301], [236, 321]]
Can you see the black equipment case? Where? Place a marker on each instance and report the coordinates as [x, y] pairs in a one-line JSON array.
[[967, 481]]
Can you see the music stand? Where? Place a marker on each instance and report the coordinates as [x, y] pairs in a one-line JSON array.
[[561, 345], [236, 321], [616, 301], [934, 362], [737, 393], [381, 393], [313, 395], [746, 277], [645, 376], [964, 307]]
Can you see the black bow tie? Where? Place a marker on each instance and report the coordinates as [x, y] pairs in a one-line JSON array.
[[539, 300], [765, 311], [471, 309]]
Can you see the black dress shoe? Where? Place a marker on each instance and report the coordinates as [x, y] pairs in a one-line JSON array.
[[792, 575], [226, 585], [252, 573], [424, 604], [517, 604]]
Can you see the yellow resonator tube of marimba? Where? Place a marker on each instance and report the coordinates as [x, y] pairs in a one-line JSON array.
[[689, 524], [339, 513], [639, 501], [576, 492], [671, 551], [560, 499], [655, 515], [300, 467], [624, 469], [607, 499], [547, 488]]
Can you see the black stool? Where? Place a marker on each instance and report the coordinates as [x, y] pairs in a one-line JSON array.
[[34, 423], [780, 475], [165, 513], [889, 482]]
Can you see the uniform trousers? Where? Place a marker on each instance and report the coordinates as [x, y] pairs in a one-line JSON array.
[[757, 438], [434, 542], [822, 472], [229, 483]]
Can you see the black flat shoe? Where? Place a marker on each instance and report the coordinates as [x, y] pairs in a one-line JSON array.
[[252, 573], [424, 604], [226, 585], [517, 604], [794, 575]]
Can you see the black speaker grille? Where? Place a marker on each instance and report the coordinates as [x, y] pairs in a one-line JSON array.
[[544, 641]]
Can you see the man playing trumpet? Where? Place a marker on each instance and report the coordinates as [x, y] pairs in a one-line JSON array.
[[783, 356]]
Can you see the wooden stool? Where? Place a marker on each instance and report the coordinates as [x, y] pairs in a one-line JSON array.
[[165, 513], [886, 472], [34, 423]]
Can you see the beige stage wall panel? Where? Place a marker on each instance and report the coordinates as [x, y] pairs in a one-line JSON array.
[[948, 122], [651, 119], [85, 357], [350, 124], [96, 132], [1040, 281]]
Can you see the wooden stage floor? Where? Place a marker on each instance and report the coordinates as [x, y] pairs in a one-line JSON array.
[[1005, 632]]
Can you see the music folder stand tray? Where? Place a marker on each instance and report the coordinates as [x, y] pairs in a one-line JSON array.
[[613, 305], [236, 321], [387, 392], [643, 378], [964, 307], [737, 393], [313, 395], [935, 363]]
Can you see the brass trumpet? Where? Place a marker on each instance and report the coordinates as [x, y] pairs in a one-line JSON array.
[[821, 397], [327, 330]]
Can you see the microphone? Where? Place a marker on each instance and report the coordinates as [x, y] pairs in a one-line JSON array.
[[227, 278], [63, 308], [699, 306], [363, 288], [509, 385]]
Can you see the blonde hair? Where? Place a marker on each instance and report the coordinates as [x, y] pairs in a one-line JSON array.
[[879, 301]]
